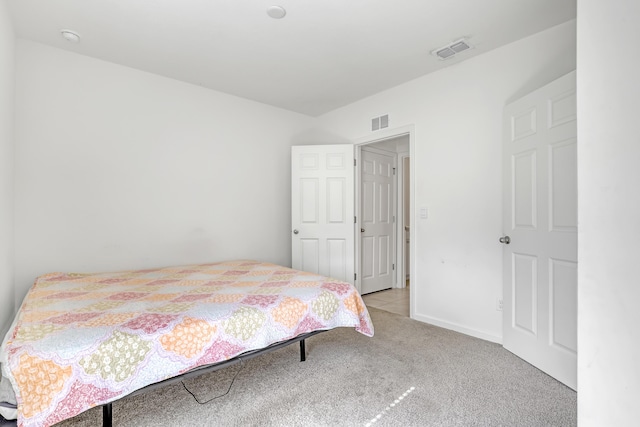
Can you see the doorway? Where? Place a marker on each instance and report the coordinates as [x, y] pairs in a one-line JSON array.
[[391, 292], [325, 209]]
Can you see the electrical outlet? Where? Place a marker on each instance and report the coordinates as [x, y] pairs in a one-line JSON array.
[[499, 304]]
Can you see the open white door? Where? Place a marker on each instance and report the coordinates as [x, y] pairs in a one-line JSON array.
[[377, 220], [540, 225], [322, 216]]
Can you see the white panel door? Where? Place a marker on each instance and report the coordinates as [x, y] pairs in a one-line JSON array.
[[540, 219], [377, 233], [322, 216]]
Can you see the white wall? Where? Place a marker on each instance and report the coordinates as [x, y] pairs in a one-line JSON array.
[[117, 168], [7, 88], [457, 113], [609, 213]]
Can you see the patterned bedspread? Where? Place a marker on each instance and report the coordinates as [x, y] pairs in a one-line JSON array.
[[82, 340]]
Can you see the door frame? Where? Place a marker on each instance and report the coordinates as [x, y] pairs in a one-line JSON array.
[[401, 211], [380, 136]]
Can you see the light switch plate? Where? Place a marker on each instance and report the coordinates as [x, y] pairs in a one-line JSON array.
[[424, 213]]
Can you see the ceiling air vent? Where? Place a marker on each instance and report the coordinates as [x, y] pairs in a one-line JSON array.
[[452, 49]]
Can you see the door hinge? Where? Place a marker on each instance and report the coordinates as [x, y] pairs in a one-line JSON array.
[[394, 171], [393, 266], [355, 220], [355, 276], [354, 162], [394, 218]]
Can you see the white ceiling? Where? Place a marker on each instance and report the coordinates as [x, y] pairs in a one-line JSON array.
[[323, 55]]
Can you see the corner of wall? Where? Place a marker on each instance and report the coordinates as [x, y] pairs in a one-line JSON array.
[[7, 97]]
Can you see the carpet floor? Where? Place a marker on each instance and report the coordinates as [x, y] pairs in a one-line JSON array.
[[409, 374]]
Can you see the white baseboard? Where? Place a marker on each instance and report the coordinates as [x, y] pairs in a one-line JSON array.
[[458, 328]]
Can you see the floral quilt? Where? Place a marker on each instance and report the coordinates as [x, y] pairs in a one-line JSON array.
[[82, 340]]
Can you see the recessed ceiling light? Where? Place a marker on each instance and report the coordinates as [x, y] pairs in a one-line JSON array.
[[276, 12], [70, 36]]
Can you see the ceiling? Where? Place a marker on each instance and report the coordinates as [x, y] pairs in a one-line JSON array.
[[322, 55]]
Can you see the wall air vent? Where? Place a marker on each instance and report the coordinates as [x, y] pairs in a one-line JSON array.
[[452, 49], [380, 122]]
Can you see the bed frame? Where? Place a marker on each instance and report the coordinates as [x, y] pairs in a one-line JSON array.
[[107, 409]]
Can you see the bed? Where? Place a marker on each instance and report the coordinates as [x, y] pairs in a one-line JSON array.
[[83, 340]]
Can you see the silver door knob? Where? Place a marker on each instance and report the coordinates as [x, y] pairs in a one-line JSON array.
[[506, 240], [362, 230], [295, 231]]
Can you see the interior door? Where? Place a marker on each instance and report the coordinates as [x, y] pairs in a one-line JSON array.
[[322, 216], [377, 237], [540, 223]]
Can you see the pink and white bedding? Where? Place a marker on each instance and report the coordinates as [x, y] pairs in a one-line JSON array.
[[82, 340]]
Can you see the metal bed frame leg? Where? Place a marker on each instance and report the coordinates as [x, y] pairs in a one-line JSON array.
[[107, 408], [107, 411]]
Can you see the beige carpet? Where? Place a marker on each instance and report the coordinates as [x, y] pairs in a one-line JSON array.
[[409, 374]]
